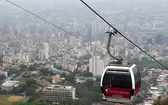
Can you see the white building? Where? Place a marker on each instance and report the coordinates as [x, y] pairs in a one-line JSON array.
[[7, 60], [4, 73], [9, 85], [41, 54], [58, 93], [154, 93], [46, 50], [25, 58], [96, 65]]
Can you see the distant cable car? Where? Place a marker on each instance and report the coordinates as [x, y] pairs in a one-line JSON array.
[[120, 82]]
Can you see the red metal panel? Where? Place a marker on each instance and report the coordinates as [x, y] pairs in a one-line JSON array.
[[137, 88], [117, 92]]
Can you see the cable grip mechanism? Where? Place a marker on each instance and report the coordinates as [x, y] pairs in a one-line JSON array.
[[119, 60]]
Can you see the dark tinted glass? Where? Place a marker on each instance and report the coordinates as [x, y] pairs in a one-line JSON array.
[[137, 76], [117, 80]]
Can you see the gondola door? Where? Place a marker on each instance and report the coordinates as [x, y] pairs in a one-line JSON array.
[[117, 85]]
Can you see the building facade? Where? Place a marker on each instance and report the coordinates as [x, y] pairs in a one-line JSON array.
[[46, 50], [58, 94], [96, 65], [9, 85]]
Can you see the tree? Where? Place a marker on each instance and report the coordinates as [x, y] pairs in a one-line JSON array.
[[153, 80], [30, 81], [157, 102], [17, 90], [19, 103], [88, 56], [1, 59], [70, 77], [44, 71], [165, 101], [14, 91], [139, 99], [143, 85], [97, 97], [88, 92], [37, 103], [29, 91], [161, 102], [32, 67], [89, 84], [63, 74], [24, 85], [68, 102], [98, 79], [48, 78], [34, 86], [2, 77], [30, 103], [86, 74], [78, 64], [4, 92], [23, 67], [58, 67]]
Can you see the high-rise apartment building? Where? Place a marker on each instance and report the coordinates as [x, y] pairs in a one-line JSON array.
[[96, 65], [33, 54], [41, 54], [46, 49]]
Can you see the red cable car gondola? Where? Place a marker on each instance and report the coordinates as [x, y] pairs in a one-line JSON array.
[[120, 82]]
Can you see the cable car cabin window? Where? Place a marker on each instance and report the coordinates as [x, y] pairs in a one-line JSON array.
[[117, 79], [137, 76]]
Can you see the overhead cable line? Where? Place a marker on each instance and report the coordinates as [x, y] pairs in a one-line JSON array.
[[49, 22], [116, 31], [80, 38], [44, 19]]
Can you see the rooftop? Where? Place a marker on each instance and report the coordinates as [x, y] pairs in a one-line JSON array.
[[59, 87], [9, 83]]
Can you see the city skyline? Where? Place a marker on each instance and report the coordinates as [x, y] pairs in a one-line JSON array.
[[68, 37]]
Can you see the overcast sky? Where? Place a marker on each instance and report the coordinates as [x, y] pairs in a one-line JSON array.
[[78, 1], [129, 6], [63, 2]]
